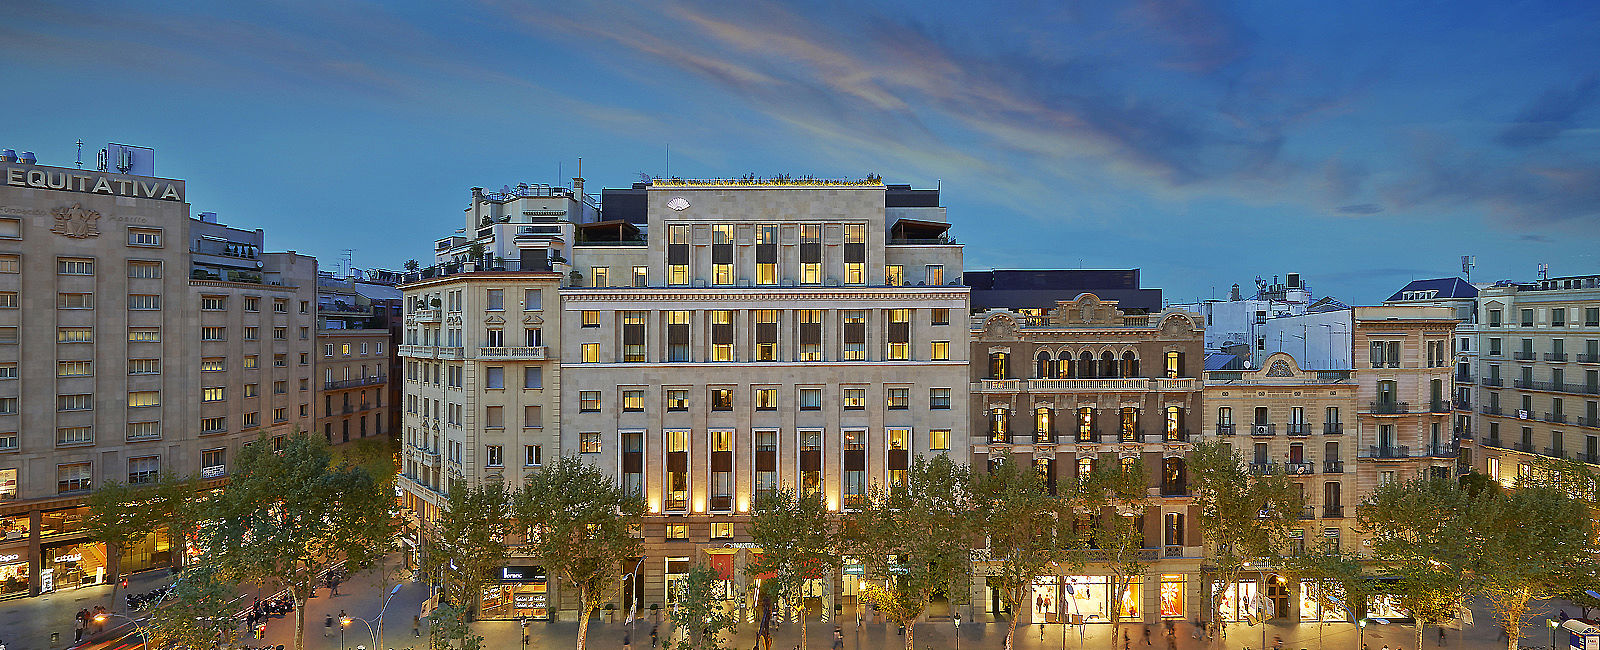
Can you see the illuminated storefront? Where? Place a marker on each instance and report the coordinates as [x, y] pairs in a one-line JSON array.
[[1386, 606], [1238, 599], [523, 592], [151, 552], [1171, 596], [1311, 610], [1089, 596], [72, 565], [14, 573]]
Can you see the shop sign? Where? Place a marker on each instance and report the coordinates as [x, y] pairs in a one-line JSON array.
[[213, 471], [522, 574], [70, 557], [854, 570], [47, 581], [7, 557]]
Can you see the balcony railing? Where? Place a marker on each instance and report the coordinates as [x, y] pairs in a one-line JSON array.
[[1441, 450], [1388, 408], [1588, 358], [1588, 457], [1299, 429], [531, 353], [1333, 512], [352, 383], [1332, 428], [426, 315], [1558, 418], [1494, 382], [1494, 442], [1463, 379], [1523, 355], [1333, 467], [1262, 469], [1491, 410], [1224, 429], [1387, 451], [1439, 406], [1555, 452], [1299, 469], [1174, 489], [1555, 356], [1588, 422], [1263, 430], [1462, 404], [1523, 446]]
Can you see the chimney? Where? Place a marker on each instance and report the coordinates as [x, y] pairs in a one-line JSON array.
[[1234, 295], [577, 187]]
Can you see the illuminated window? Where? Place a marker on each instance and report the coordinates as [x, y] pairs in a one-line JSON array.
[[766, 255], [599, 276], [721, 335], [766, 335], [855, 254], [939, 439], [855, 399], [677, 399], [766, 399], [934, 274], [589, 401], [722, 399], [894, 275], [811, 254], [633, 401], [722, 254], [810, 324], [678, 255], [899, 334], [590, 352], [941, 351], [855, 335], [678, 335]]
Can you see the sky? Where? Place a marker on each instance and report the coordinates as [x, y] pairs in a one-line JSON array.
[[1360, 144]]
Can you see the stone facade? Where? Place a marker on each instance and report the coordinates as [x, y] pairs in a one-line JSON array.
[[1404, 371]]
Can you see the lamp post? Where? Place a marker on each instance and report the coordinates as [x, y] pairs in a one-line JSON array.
[[344, 622], [957, 618]]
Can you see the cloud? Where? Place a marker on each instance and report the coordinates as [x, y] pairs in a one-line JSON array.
[[1536, 238], [1360, 209], [1550, 115]]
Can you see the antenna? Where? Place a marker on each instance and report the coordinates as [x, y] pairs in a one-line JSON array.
[[558, 173], [669, 161], [102, 159], [345, 258], [80, 154], [1467, 262], [1544, 271]]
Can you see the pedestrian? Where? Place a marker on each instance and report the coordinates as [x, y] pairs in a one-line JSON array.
[[1441, 637], [1385, 646], [77, 630], [838, 638], [654, 630], [1147, 635], [416, 626], [627, 640], [327, 626]]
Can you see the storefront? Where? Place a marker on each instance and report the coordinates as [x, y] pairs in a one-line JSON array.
[[1171, 593], [72, 565], [1313, 610], [14, 572], [522, 592], [151, 552], [1090, 597], [1238, 600], [1387, 607]]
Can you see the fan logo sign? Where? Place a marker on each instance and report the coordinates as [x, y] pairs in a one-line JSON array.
[[94, 184]]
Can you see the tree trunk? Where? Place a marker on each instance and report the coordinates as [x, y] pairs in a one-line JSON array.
[[583, 617], [1420, 626], [299, 618], [1513, 625], [908, 625], [1011, 628], [114, 567], [802, 610]]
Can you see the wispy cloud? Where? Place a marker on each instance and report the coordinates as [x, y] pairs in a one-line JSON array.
[[1552, 113]]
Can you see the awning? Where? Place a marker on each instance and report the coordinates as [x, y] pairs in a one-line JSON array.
[[722, 563]]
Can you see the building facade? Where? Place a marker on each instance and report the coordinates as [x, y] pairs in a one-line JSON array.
[[1084, 383], [1404, 375], [353, 332], [134, 341], [763, 336]]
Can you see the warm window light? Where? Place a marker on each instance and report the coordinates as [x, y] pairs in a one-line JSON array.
[[744, 504], [833, 504], [655, 506]]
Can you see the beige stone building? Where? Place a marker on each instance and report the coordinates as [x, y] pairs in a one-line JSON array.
[[1404, 369], [1083, 383], [134, 340], [762, 336]]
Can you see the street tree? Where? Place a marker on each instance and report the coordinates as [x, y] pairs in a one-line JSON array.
[[468, 541], [291, 515], [1112, 499], [119, 515], [1335, 578], [699, 612], [448, 629], [1543, 547], [914, 541], [798, 540], [177, 506], [580, 526], [197, 613], [1026, 531], [1244, 516], [1430, 534]]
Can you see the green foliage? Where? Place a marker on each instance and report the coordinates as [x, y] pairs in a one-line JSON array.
[[448, 629], [177, 505], [914, 541], [412, 265], [197, 614], [289, 516], [1428, 533], [1543, 543], [1243, 518], [700, 612], [798, 539], [580, 527], [119, 515], [1114, 497], [467, 542], [1026, 531], [1339, 578]]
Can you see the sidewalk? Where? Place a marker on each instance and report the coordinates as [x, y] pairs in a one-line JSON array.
[[29, 622]]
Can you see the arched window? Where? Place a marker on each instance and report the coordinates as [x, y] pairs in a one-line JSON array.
[[1064, 365], [1108, 365], [1043, 366], [1086, 366], [1130, 364], [997, 365]]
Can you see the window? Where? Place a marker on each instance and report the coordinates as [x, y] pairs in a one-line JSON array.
[[633, 401], [589, 442], [82, 402], [1558, 317], [939, 398], [280, 361], [811, 399], [590, 319], [74, 368], [150, 237], [589, 353], [678, 255], [144, 301], [252, 304], [1174, 364], [8, 335], [74, 266], [940, 316], [213, 425], [8, 300], [142, 398], [855, 399], [213, 303], [678, 335], [73, 477], [495, 300], [533, 377], [75, 335], [280, 305], [934, 274], [143, 469], [897, 399], [766, 335], [722, 254], [8, 371], [721, 335], [1591, 316], [213, 364], [894, 275], [214, 333], [495, 456], [252, 419], [641, 276], [280, 333], [10, 264], [939, 440], [810, 324], [855, 254], [633, 323], [941, 351], [677, 399], [212, 462], [533, 455], [722, 399], [589, 401], [722, 530], [8, 406], [145, 430], [1527, 318], [142, 334], [811, 254], [899, 334], [74, 436], [766, 399], [77, 301], [766, 255], [213, 394], [494, 377]]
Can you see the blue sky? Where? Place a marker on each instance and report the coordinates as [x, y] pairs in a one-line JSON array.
[[1361, 144]]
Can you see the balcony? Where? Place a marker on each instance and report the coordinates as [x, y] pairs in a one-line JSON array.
[[1441, 450], [1333, 512], [1588, 422], [1333, 467], [1555, 356], [1588, 457], [1224, 429], [355, 383], [425, 315], [1494, 442], [1439, 406], [1557, 418], [1588, 358], [1263, 430], [532, 353], [1332, 428], [1174, 489], [1299, 429], [1552, 387], [1388, 408], [1079, 385], [1526, 447], [1263, 469], [1555, 452], [431, 352], [1299, 469], [1491, 410], [1462, 404], [1175, 436], [1494, 382], [1463, 379], [1387, 451], [1308, 512], [1523, 355], [722, 503]]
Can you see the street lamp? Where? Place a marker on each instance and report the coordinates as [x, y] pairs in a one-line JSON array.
[[957, 618], [344, 622]]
